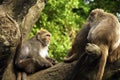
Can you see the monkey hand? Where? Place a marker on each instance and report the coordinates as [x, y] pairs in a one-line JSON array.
[[44, 63], [93, 50], [48, 64], [53, 61]]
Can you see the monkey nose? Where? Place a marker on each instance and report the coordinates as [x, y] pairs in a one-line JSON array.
[[49, 38]]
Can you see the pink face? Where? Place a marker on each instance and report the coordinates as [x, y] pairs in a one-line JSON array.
[[48, 38]]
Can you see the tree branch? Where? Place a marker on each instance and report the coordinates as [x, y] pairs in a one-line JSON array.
[[64, 71]]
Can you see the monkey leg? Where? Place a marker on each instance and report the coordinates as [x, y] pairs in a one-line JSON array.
[[73, 57], [24, 76], [103, 61], [22, 63], [19, 75]]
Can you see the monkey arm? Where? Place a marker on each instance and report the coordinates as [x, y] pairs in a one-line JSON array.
[[44, 62], [39, 62], [23, 62], [31, 65], [114, 56]]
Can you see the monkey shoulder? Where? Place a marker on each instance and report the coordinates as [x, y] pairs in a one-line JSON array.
[[28, 47]]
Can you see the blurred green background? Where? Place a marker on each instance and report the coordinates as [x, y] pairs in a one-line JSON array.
[[64, 18]]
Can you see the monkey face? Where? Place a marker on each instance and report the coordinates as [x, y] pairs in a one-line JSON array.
[[48, 36], [95, 14], [44, 37]]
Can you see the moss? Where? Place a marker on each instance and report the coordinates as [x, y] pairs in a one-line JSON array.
[[9, 31]]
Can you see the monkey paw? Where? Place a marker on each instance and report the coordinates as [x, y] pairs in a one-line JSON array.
[[93, 49], [49, 65], [45, 64]]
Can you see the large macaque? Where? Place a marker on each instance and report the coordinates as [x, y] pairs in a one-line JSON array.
[[33, 54], [103, 30]]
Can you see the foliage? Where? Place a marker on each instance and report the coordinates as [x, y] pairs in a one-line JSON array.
[[112, 6]]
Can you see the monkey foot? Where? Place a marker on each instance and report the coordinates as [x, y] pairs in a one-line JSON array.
[[93, 49]]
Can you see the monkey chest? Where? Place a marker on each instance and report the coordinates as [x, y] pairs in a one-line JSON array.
[[43, 52]]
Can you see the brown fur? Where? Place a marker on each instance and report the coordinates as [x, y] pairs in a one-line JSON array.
[[102, 29], [29, 58], [79, 44], [104, 32], [115, 55]]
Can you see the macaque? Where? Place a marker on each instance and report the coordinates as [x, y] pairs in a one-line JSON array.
[[32, 55], [103, 30]]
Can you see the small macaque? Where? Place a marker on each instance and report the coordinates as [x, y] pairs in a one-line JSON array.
[[33, 54]]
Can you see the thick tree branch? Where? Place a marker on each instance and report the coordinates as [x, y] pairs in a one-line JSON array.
[[57, 72], [64, 71]]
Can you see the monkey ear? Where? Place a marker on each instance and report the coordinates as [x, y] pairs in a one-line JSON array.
[[38, 36], [92, 14]]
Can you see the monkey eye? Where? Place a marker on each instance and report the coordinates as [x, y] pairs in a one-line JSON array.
[[48, 35], [92, 14]]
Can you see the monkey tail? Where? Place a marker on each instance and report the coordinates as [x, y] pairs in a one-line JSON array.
[[18, 48], [20, 44], [17, 52]]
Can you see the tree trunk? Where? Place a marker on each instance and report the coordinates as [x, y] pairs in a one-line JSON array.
[[17, 18]]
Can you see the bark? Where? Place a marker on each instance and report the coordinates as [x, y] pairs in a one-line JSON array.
[[57, 72], [17, 18]]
